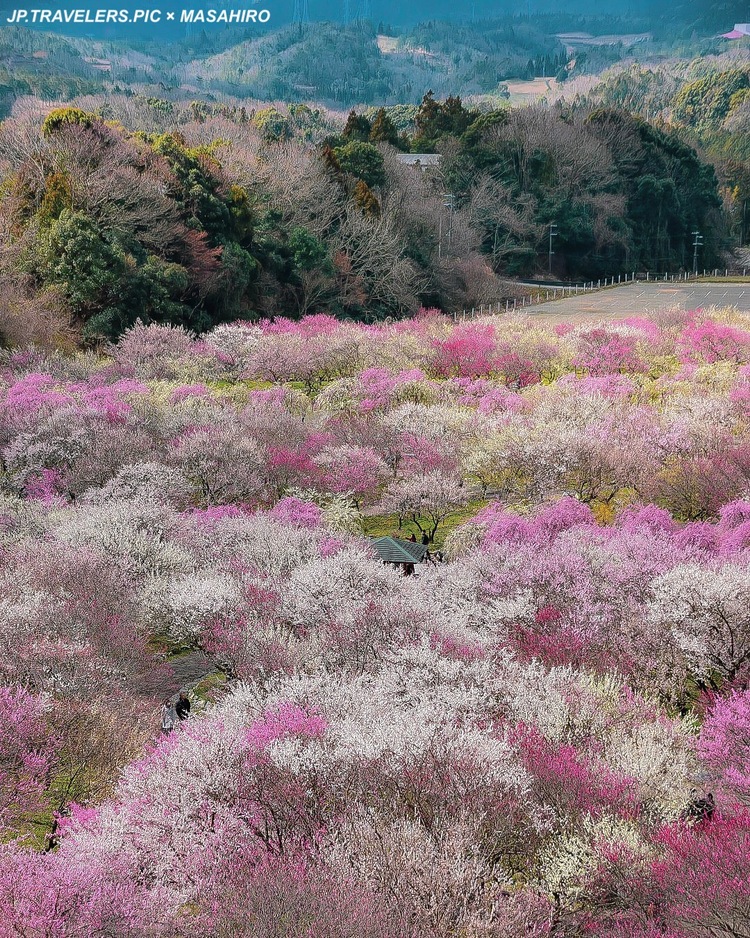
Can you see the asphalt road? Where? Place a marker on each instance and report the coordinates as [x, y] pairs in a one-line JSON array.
[[638, 298]]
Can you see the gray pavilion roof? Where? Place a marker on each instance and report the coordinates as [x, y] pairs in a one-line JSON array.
[[396, 550]]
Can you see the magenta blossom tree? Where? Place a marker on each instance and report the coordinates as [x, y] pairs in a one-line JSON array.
[[724, 743], [27, 750]]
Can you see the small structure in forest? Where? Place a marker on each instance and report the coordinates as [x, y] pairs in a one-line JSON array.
[[421, 161], [399, 552]]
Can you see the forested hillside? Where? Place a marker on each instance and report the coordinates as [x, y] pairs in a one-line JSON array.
[[707, 99], [44, 65], [295, 63], [336, 64], [199, 214]]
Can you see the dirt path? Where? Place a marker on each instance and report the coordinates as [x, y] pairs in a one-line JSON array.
[[190, 669]]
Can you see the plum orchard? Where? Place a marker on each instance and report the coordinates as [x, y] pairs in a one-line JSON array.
[[503, 745]]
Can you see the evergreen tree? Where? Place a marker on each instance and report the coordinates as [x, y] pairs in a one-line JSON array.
[[383, 129], [363, 161], [365, 199], [357, 127]]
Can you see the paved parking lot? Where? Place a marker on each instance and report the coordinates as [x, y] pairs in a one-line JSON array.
[[638, 298]]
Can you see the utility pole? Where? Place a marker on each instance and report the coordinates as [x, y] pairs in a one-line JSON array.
[[697, 242], [448, 203], [552, 234]]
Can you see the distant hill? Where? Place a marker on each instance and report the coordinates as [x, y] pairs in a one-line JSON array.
[[354, 65], [44, 65], [364, 62], [678, 18]]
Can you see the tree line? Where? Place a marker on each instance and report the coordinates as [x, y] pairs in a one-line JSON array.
[[197, 214]]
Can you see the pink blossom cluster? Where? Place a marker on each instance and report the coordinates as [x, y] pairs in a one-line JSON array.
[[522, 696], [548, 734]]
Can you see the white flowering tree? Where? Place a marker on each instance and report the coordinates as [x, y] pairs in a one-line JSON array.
[[426, 499], [708, 613]]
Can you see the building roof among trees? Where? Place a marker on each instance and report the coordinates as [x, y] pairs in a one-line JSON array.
[[422, 160], [396, 550]]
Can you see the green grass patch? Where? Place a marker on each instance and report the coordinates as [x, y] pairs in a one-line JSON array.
[[210, 687], [722, 280], [33, 829], [162, 645], [382, 525], [158, 644], [297, 386], [230, 384], [180, 649]]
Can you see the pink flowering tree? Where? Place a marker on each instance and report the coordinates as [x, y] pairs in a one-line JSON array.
[[298, 895], [294, 511], [724, 743], [695, 887], [604, 352], [711, 342], [27, 750], [517, 370], [153, 351], [468, 352], [351, 470], [702, 882]]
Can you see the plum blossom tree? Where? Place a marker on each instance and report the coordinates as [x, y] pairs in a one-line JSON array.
[[180, 606], [468, 352], [153, 351], [351, 470], [27, 750], [711, 341], [724, 743], [223, 464], [694, 886], [236, 342], [295, 897], [603, 352], [704, 889], [425, 500], [707, 613]]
